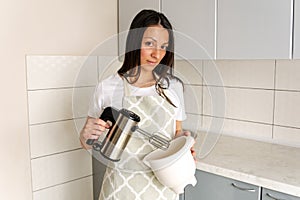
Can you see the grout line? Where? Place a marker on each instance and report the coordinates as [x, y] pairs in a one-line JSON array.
[[59, 88], [274, 98], [202, 95], [248, 121], [55, 121], [73, 180], [240, 120], [285, 126], [238, 87], [244, 87], [57, 153]]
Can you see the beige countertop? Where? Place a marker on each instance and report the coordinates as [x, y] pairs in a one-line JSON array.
[[271, 166]]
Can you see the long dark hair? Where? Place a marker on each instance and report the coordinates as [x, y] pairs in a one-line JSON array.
[[164, 71]]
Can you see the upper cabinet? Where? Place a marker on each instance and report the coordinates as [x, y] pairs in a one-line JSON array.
[[194, 27], [224, 29], [127, 11], [254, 29], [297, 30]]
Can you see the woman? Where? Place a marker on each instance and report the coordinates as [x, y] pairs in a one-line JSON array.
[[144, 84]]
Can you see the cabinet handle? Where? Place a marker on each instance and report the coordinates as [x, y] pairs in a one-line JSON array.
[[269, 195], [243, 189]]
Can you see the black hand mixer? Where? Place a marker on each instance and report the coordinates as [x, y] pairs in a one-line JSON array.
[[124, 123]]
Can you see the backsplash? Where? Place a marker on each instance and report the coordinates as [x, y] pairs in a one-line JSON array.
[[262, 98], [61, 169], [261, 102]]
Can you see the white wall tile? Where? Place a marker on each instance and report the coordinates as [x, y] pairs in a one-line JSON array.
[[240, 128], [60, 71], [53, 105], [193, 99], [60, 168], [190, 72], [81, 99], [49, 105], [287, 136], [246, 73], [246, 104], [53, 138], [74, 190], [288, 74], [214, 101], [108, 65], [192, 123], [287, 108]]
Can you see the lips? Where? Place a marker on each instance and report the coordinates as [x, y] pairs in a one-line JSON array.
[[151, 62]]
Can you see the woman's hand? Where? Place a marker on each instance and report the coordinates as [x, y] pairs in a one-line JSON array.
[[92, 129]]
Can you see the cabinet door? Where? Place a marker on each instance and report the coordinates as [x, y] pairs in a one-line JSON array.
[[127, 11], [214, 187], [273, 195], [194, 25], [254, 29], [296, 30]]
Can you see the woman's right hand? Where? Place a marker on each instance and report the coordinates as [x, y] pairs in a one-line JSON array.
[[92, 129]]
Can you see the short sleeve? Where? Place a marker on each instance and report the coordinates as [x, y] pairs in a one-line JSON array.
[[96, 102], [177, 97]]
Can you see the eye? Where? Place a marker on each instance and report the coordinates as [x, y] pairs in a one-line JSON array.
[[149, 44], [164, 47]]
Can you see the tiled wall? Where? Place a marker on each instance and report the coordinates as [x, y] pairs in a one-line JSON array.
[[261, 97], [261, 102], [61, 169]]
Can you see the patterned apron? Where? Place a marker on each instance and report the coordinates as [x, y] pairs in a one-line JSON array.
[[130, 179]]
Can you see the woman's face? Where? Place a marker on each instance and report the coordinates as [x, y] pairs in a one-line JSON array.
[[154, 45]]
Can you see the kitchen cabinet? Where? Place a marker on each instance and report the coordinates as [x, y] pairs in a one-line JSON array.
[[194, 27], [127, 11], [254, 29], [274, 195], [227, 29], [214, 187], [296, 50]]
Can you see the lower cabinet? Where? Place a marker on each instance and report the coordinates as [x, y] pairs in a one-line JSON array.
[[274, 195], [214, 187]]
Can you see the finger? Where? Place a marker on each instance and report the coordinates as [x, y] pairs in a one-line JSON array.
[[93, 137], [187, 133], [101, 123]]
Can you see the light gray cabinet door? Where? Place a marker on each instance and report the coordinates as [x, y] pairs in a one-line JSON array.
[[127, 10], [274, 195], [194, 25], [254, 29], [296, 51], [214, 187]]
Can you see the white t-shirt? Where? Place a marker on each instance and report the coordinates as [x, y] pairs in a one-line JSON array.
[[110, 92]]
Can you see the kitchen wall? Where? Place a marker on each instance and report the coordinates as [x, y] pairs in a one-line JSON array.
[[262, 95], [261, 98], [39, 28], [260, 103]]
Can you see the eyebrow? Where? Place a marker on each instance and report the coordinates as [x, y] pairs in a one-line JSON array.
[[155, 40]]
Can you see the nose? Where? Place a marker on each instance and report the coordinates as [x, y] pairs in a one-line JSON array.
[[156, 53]]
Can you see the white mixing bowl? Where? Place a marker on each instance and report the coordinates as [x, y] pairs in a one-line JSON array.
[[174, 167]]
